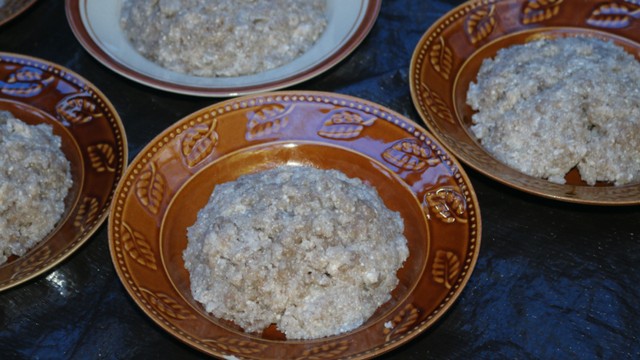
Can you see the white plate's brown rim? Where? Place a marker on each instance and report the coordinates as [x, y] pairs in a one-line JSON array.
[[362, 30]]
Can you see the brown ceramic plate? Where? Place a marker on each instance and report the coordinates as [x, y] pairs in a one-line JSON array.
[[93, 140], [447, 59], [96, 24], [13, 8], [173, 176]]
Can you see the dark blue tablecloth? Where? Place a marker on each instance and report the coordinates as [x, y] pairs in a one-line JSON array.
[[553, 280]]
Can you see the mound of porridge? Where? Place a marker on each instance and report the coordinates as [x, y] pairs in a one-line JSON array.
[[35, 178], [222, 38], [548, 106], [310, 250]]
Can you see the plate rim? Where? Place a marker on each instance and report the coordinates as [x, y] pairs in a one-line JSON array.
[[27, 4], [105, 210], [418, 59], [474, 240], [371, 12]]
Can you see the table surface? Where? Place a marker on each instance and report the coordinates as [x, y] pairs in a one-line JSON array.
[[553, 280]]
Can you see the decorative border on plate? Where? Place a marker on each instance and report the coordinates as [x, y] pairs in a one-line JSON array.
[[434, 64], [404, 327], [87, 216]]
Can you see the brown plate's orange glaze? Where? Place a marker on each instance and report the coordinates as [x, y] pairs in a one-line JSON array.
[[93, 140], [12, 8], [449, 55], [173, 176]]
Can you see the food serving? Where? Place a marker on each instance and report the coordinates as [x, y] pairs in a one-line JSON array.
[[35, 178], [222, 38], [93, 141], [310, 250], [448, 58], [550, 105], [173, 178]]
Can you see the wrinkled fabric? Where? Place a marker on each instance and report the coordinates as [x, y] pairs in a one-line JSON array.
[[553, 280]]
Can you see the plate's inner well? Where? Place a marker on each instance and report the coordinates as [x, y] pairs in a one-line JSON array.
[[97, 26], [33, 116], [469, 70], [195, 193]]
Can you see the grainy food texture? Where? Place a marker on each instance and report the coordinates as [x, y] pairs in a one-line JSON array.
[[35, 178], [222, 38], [310, 250], [550, 105]]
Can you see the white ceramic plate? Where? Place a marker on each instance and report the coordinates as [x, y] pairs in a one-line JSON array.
[[96, 24]]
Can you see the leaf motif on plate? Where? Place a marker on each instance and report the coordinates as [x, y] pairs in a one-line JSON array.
[[404, 321], [345, 124], [448, 205], [436, 105], [87, 212], [102, 157], [236, 345], [25, 82], [613, 15], [150, 189], [33, 262], [535, 11], [409, 154], [138, 247], [167, 305], [26, 74], [199, 141], [441, 58], [480, 23], [78, 109], [267, 121], [446, 268], [331, 350]]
